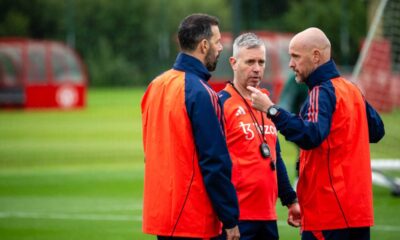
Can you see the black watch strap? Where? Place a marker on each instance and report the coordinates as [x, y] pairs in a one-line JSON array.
[[272, 111]]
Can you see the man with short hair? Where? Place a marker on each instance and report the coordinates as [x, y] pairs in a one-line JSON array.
[[187, 182], [334, 130], [258, 174]]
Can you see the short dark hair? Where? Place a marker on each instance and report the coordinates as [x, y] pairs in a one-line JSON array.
[[195, 28]]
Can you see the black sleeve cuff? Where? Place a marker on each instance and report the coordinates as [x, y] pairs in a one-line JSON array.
[[230, 224], [288, 198]]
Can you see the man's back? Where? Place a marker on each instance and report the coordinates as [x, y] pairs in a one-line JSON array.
[[335, 177], [172, 173]]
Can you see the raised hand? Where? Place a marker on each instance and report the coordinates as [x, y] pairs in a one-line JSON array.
[[260, 100]]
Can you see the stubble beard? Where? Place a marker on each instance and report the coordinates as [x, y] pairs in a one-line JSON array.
[[211, 61]]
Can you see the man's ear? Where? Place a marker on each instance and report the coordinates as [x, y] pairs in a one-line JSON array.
[[204, 46], [316, 56], [232, 61]]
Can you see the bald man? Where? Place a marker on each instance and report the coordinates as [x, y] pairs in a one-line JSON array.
[[333, 130]]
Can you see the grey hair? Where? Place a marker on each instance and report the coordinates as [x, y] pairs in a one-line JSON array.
[[247, 40]]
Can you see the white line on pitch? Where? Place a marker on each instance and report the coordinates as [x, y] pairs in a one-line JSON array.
[[66, 216], [136, 218]]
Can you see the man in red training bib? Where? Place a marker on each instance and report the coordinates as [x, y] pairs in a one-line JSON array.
[[258, 174], [333, 130]]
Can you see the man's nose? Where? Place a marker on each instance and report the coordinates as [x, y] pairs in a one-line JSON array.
[[291, 64], [220, 47], [257, 67]]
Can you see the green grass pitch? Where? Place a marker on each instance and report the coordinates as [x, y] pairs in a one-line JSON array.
[[78, 174]]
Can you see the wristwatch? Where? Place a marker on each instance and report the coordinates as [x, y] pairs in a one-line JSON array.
[[272, 111]]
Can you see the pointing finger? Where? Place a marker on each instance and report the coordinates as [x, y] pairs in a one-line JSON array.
[[253, 89]]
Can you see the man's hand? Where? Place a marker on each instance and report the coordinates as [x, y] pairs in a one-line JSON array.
[[260, 100], [294, 216], [232, 233]]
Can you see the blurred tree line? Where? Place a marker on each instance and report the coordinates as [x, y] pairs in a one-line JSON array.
[[130, 42]]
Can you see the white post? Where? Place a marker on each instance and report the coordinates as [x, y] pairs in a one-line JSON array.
[[367, 43]]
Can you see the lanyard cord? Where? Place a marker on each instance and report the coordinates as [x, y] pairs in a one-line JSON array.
[[264, 149], [260, 129]]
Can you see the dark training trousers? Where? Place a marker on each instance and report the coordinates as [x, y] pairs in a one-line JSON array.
[[255, 230], [338, 234], [176, 238]]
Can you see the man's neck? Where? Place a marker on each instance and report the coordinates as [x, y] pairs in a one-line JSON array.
[[195, 54], [242, 90]]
